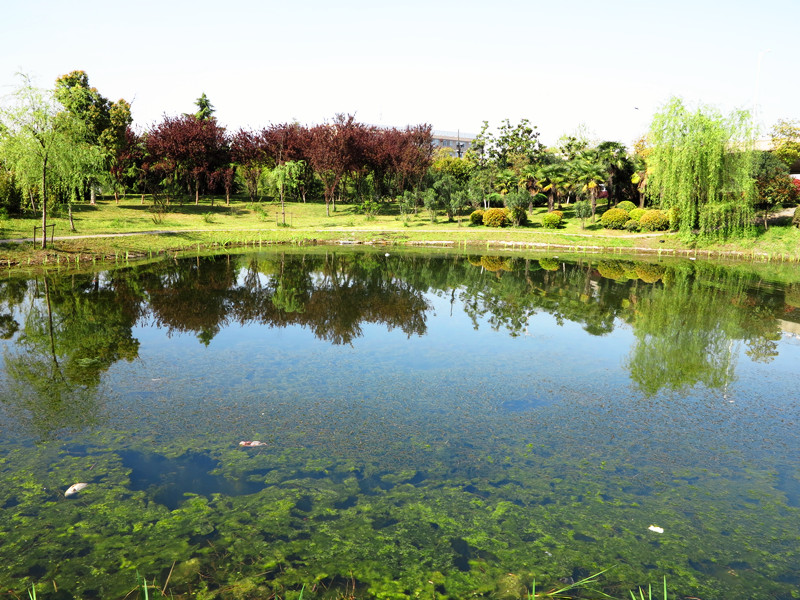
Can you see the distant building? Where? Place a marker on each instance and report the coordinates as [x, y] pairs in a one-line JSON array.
[[456, 141]]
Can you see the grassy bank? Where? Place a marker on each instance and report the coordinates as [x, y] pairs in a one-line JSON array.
[[133, 230]]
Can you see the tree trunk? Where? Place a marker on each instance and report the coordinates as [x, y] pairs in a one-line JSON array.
[[593, 196], [44, 204], [641, 199], [93, 196], [69, 212], [196, 192], [116, 195]]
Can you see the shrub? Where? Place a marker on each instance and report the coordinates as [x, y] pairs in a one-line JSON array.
[[796, 217], [495, 217], [626, 205], [614, 218], [496, 263], [611, 269], [550, 264], [518, 215], [476, 218], [636, 213], [649, 273], [632, 225], [654, 220], [552, 220]]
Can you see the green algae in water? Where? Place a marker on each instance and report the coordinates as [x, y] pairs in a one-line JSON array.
[[407, 453]]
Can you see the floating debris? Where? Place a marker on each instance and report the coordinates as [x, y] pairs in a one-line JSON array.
[[253, 443], [74, 489], [656, 528]]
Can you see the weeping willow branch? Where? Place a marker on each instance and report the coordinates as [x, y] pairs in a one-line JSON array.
[[700, 169]]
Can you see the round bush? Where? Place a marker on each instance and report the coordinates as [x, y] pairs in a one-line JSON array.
[[552, 220], [611, 269], [494, 263], [518, 215], [549, 264], [626, 205], [614, 218], [636, 213], [475, 261], [495, 217], [654, 220], [632, 225], [796, 217], [476, 218], [649, 273]]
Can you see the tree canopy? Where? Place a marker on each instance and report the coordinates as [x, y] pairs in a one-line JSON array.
[[700, 167]]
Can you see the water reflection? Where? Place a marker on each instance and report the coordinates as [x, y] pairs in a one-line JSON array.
[[688, 319]]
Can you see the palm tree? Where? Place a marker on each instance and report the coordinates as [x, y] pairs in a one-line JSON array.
[[553, 178], [591, 173], [613, 155]]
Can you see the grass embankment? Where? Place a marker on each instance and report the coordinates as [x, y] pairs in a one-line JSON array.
[[131, 230]]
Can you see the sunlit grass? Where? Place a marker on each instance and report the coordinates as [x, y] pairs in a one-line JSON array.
[[203, 226]]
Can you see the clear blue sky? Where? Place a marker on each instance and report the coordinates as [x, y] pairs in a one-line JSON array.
[[609, 65]]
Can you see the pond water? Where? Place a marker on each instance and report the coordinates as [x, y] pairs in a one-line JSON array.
[[431, 426]]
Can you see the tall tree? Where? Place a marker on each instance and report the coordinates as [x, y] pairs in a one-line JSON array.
[[42, 144], [188, 150], [205, 110], [700, 165], [85, 104]]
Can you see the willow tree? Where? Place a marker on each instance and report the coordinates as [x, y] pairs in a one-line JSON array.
[[40, 144], [699, 166]]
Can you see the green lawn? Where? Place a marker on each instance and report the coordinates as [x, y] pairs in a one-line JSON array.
[[193, 227]]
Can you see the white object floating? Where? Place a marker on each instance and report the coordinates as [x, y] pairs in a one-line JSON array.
[[75, 488], [656, 528], [387, 254], [253, 443]]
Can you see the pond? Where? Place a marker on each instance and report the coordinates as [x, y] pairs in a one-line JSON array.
[[429, 426]]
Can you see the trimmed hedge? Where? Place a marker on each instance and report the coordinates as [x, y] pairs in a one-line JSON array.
[[550, 264], [614, 218], [476, 217], [552, 220], [632, 225], [626, 205], [796, 217], [495, 217], [654, 220], [637, 213]]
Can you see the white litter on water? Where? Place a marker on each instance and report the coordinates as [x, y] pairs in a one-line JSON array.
[[75, 488], [253, 443], [656, 528]]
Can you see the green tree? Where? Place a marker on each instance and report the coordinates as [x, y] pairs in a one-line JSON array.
[[700, 165], [205, 110], [786, 141], [774, 185], [44, 146], [86, 105]]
